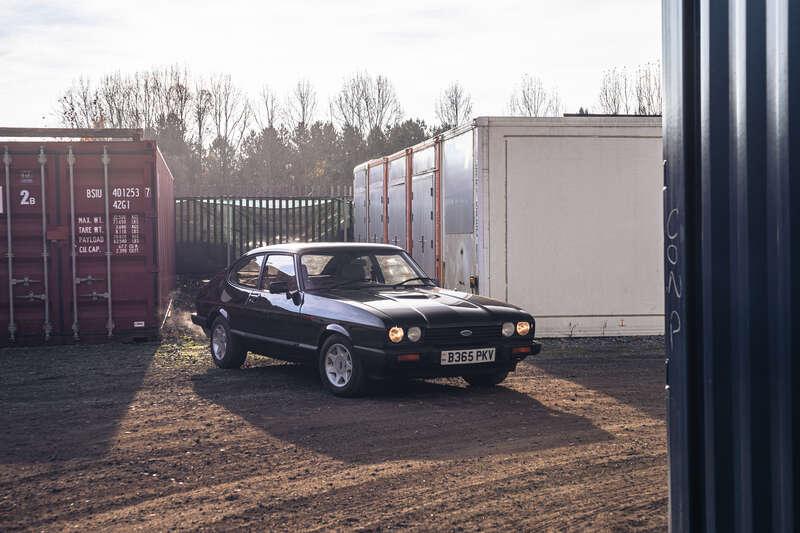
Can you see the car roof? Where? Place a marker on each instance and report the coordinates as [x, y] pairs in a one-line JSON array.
[[303, 247]]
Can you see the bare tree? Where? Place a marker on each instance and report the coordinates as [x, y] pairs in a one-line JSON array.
[[647, 89], [532, 99], [365, 103], [348, 107], [383, 107], [616, 93], [454, 105], [301, 104], [80, 106], [201, 111], [230, 118], [269, 110]]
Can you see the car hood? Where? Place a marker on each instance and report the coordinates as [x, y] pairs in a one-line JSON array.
[[431, 305]]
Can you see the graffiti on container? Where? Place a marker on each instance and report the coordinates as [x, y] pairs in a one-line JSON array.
[[126, 234], [674, 280]]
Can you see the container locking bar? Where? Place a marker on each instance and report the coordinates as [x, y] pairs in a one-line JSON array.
[[73, 245], [12, 327], [106, 160], [42, 159]]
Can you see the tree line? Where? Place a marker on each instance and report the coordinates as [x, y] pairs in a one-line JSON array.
[[219, 140]]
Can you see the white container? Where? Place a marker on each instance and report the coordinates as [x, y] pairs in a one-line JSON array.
[[561, 216]]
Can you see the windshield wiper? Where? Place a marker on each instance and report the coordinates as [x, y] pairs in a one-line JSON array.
[[418, 278], [348, 282]]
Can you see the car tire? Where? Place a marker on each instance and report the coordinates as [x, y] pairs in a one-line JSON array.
[[340, 370], [486, 380], [226, 350]]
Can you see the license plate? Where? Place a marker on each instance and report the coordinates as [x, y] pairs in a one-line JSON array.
[[467, 357]]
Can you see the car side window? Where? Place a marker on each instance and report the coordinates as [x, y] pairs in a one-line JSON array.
[[247, 272], [280, 268]]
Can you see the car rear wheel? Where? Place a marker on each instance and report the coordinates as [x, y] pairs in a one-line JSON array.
[[340, 370], [226, 350], [486, 380]]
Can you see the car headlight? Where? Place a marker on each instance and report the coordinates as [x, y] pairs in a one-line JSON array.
[[523, 328], [508, 329], [396, 334], [414, 334]]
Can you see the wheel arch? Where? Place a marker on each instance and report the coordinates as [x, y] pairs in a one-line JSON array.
[[212, 316], [333, 329]]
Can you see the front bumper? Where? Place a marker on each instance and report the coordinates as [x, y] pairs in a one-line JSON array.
[[383, 363]]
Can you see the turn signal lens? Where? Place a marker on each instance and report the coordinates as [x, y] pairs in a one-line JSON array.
[[508, 329], [396, 334], [523, 328], [414, 334]]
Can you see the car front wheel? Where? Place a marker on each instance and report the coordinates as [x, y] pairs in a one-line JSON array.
[[226, 350], [486, 380], [340, 370]]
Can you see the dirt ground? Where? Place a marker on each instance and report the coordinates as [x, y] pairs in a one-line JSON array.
[[152, 436]]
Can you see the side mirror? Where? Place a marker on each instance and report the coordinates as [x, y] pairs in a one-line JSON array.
[[278, 287]]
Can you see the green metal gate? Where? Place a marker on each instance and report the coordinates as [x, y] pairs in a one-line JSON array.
[[210, 232]]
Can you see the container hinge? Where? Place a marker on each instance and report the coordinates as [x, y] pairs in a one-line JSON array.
[[88, 279], [25, 282]]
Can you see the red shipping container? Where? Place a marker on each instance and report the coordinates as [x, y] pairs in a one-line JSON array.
[[88, 240]]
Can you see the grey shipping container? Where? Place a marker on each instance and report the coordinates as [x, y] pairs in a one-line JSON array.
[[561, 216]]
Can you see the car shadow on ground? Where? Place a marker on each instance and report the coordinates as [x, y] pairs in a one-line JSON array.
[[629, 369], [66, 402], [397, 420]]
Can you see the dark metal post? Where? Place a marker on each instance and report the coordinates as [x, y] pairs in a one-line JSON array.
[[732, 262]]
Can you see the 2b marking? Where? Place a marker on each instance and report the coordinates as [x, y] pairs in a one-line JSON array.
[[25, 198]]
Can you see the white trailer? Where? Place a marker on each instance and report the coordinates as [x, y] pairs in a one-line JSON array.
[[561, 216]]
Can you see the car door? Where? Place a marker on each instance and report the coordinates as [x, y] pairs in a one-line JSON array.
[[277, 314], [243, 282]]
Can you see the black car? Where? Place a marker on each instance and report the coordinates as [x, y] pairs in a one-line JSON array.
[[358, 312]]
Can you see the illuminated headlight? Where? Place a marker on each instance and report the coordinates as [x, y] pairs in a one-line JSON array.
[[508, 329], [396, 334], [414, 334], [523, 328]]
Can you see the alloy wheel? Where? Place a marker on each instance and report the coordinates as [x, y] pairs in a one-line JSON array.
[[338, 365], [219, 342]]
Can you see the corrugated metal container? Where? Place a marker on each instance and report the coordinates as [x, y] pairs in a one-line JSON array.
[[561, 216], [732, 251], [87, 229]]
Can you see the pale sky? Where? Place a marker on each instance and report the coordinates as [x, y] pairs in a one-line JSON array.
[[420, 46]]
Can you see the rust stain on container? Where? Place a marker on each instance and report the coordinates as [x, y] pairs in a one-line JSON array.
[[88, 239]]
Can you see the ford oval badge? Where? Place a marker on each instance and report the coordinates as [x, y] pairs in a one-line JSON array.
[[466, 332]]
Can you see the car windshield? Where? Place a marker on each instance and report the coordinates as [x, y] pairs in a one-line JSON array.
[[358, 268]]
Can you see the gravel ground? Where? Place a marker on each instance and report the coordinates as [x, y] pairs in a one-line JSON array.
[[152, 436]]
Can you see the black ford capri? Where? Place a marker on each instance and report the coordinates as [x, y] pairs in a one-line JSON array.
[[358, 312]]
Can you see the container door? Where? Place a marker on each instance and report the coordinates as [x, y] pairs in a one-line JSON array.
[[375, 226], [422, 223], [27, 311], [360, 205], [397, 214], [115, 272]]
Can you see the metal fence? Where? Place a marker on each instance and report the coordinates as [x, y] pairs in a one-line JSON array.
[[211, 232]]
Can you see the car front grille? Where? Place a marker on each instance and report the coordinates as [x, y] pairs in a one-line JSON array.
[[451, 336]]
